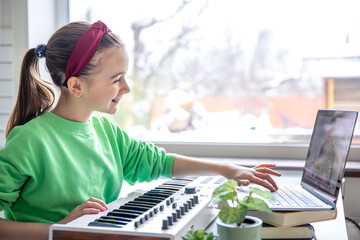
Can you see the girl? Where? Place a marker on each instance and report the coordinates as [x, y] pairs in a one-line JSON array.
[[61, 162]]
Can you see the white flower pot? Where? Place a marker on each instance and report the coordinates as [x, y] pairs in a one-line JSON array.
[[250, 229]]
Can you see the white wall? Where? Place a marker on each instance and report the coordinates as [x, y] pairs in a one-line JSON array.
[[351, 197], [13, 44], [6, 58], [41, 21], [41, 26], [6, 64], [24, 24]]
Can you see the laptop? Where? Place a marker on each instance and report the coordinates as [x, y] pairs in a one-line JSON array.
[[324, 167]]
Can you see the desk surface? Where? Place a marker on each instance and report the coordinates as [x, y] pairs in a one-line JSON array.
[[326, 230]]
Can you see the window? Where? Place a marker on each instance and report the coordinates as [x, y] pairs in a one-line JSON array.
[[234, 72]]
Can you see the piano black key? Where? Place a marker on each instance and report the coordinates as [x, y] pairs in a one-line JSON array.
[[173, 189], [99, 224], [159, 197], [136, 208], [142, 203], [161, 191], [157, 194], [117, 218], [136, 212], [153, 199], [145, 201], [137, 204], [123, 214], [174, 184], [102, 220]]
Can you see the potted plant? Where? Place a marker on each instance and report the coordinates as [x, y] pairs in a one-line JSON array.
[[199, 235], [233, 222]]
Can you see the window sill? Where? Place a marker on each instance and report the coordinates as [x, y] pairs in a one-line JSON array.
[[352, 167]]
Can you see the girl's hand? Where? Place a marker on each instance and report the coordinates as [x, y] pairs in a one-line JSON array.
[[259, 174], [186, 166], [90, 206]]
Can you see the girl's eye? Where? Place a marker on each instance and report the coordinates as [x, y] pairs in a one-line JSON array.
[[119, 79]]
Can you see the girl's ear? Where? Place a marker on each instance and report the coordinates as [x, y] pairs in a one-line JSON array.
[[75, 86]]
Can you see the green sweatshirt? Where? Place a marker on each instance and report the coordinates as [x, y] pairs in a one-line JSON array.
[[51, 165]]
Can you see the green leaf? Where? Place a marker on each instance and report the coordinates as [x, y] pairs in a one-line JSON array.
[[199, 235], [264, 194], [255, 203], [225, 188], [233, 215], [223, 198]]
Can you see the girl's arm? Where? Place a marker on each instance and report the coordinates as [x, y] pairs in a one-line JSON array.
[[186, 166], [23, 230], [38, 231]]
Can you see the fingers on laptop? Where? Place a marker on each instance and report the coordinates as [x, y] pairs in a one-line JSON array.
[[266, 168], [265, 180]]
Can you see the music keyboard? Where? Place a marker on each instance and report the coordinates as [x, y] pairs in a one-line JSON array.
[[167, 211]]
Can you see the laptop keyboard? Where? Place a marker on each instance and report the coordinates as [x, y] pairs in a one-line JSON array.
[[293, 195]]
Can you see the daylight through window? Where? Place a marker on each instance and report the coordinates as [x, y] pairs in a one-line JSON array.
[[233, 71]]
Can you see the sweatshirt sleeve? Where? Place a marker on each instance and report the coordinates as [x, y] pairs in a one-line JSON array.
[[12, 174], [143, 161]]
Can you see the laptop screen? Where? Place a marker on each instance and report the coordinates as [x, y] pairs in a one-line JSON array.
[[328, 150]]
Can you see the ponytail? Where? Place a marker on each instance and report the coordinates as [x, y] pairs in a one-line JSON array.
[[35, 96]]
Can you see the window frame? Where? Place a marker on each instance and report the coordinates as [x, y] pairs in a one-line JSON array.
[[283, 151], [279, 151]]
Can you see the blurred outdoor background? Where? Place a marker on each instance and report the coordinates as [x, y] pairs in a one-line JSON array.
[[232, 71]]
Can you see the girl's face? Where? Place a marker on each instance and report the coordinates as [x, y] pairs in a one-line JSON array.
[[107, 85]]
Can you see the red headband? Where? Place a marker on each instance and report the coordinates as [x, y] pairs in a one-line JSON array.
[[85, 49]]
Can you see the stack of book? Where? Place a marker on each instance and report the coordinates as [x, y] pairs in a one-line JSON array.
[[291, 225], [304, 231]]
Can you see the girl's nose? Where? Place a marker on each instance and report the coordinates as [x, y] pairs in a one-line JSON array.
[[124, 87]]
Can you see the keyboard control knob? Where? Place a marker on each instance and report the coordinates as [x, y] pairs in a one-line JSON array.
[[174, 205], [192, 201], [186, 207], [167, 202], [161, 207], [190, 190], [189, 204], [174, 216], [182, 210], [170, 220], [165, 224], [196, 197], [172, 199], [178, 213]]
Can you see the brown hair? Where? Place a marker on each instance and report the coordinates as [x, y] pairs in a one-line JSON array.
[[35, 96]]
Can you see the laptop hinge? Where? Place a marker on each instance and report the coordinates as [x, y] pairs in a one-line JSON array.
[[325, 197]]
